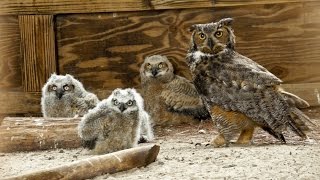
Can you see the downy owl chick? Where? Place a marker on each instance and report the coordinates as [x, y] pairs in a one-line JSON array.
[[65, 96], [239, 93], [115, 123], [170, 99]]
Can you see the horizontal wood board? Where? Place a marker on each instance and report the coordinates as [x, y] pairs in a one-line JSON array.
[[95, 6], [105, 50]]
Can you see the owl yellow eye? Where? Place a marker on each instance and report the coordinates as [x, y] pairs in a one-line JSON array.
[[66, 88], [54, 88], [115, 102], [202, 36], [129, 103], [218, 34], [160, 65]]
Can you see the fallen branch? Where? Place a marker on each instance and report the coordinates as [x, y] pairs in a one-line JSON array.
[[98, 165], [30, 134]]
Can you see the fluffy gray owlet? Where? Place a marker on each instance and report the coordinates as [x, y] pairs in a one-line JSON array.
[[239, 93], [116, 123], [65, 96], [170, 99]]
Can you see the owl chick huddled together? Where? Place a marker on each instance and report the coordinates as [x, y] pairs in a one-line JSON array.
[[170, 99], [116, 123], [239, 93], [65, 96]]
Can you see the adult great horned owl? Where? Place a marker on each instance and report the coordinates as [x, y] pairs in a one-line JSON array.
[[64, 96], [239, 93], [169, 98], [115, 123]]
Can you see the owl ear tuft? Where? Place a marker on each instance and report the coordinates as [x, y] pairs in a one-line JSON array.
[[53, 76], [116, 91], [69, 76], [192, 28], [226, 22]]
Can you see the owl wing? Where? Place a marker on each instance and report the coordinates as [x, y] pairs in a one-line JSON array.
[[180, 95], [92, 124], [248, 73], [239, 84]]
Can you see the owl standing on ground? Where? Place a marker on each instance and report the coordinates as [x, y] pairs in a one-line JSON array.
[[239, 93], [170, 99], [65, 96], [116, 123]]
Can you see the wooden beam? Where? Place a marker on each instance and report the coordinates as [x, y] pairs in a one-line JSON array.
[[94, 6], [32, 134], [98, 165], [10, 63], [38, 50]]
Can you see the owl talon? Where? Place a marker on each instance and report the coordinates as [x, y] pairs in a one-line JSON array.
[[218, 141]]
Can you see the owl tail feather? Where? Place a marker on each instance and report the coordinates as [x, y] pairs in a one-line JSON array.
[[278, 136], [294, 100], [298, 121], [296, 112]]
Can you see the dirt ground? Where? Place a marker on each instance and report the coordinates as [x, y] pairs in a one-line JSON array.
[[184, 155]]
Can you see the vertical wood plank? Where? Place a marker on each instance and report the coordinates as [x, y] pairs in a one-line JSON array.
[[37, 49]]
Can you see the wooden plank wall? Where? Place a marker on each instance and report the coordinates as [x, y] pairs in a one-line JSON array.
[[103, 45]]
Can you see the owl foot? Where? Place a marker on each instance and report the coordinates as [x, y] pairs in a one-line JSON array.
[[143, 139], [241, 144], [245, 137], [218, 141]]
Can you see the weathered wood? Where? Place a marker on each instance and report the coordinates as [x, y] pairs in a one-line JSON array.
[[98, 165], [19, 103], [30, 134], [285, 38], [94, 6], [38, 50], [10, 64]]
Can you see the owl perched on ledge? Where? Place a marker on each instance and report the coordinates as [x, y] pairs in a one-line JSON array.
[[170, 99], [65, 96], [239, 93]]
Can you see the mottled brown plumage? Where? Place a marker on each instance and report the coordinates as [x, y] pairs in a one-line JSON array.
[[239, 93], [169, 98]]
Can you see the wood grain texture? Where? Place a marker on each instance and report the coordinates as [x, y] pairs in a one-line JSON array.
[[32, 134], [10, 64], [105, 50], [20, 103], [94, 6], [38, 50]]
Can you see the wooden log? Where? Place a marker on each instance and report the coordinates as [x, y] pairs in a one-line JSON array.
[[98, 165], [30, 134]]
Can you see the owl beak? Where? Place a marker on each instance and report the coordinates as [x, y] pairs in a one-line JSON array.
[[122, 107], [59, 94], [154, 72], [210, 43]]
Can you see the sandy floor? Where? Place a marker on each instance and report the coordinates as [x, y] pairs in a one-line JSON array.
[[184, 155]]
